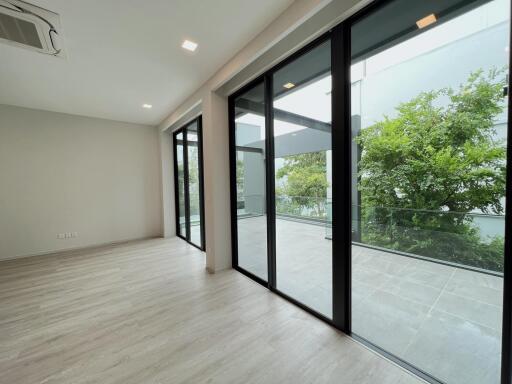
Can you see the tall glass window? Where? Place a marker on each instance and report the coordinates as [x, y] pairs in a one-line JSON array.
[[302, 165], [189, 183], [429, 118], [180, 182], [194, 184], [251, 214]]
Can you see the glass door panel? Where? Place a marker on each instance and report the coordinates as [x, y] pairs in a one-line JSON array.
[[189, 183], [302, 166], [251, 213], [180, 180], [194, 185], [429, 126]]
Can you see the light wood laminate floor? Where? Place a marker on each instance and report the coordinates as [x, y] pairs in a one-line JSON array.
[[147, 312]]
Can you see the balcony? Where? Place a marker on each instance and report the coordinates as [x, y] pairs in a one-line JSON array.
[[417, 308]]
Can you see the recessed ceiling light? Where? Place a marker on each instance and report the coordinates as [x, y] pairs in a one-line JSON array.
[[189, 45], [289, 85], [426, 21], [147, 106]]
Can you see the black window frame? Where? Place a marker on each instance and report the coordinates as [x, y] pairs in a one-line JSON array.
[[232, 181], [339, 318], [184, 130], [341, 206]]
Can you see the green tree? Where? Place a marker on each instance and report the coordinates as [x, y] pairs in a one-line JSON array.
[[424, 170], [304, 183], [193, 180], [240, 176]]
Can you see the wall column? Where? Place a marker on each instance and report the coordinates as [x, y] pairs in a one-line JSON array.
[[216, 182], [167, 175]]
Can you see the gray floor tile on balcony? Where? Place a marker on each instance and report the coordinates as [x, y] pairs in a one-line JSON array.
[[476, 292], [419, 293], [361, 291], [370, 276], [471, 310], [417, 274], [441, 319], [478, 279], [456, 350], [388, 320]]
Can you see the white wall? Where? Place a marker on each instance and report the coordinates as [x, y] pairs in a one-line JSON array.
[[64, 173]]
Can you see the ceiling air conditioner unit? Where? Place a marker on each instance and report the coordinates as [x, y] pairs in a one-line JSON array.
[[29, 26]]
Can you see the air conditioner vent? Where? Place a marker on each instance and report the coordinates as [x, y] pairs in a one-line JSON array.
[[20, 31], [29, 26]]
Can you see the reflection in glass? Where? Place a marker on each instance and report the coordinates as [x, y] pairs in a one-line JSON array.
[[188, 180], [429, 136], [250, 181], [194, 191], [302, 148], [182, 227]]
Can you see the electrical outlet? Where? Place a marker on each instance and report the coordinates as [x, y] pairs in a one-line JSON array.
[[67, 235]]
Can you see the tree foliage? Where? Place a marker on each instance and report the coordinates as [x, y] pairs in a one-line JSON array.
[[423, 171], [305, 182], [240, 176], [193, 180]]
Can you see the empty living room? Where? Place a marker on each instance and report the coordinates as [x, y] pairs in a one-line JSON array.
[[255, 192]]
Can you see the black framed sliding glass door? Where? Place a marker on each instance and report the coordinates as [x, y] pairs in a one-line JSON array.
[[429, 183], [379, 152], [301, 95], [281, 172], [249, 188], [179, 183], [188, 181]]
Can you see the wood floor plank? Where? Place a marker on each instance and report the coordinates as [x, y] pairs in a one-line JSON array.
[[147, 312]]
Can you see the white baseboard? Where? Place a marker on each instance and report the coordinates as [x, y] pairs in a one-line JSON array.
[[83, 248]]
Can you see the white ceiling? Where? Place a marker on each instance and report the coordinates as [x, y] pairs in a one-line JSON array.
[[124, 53]]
